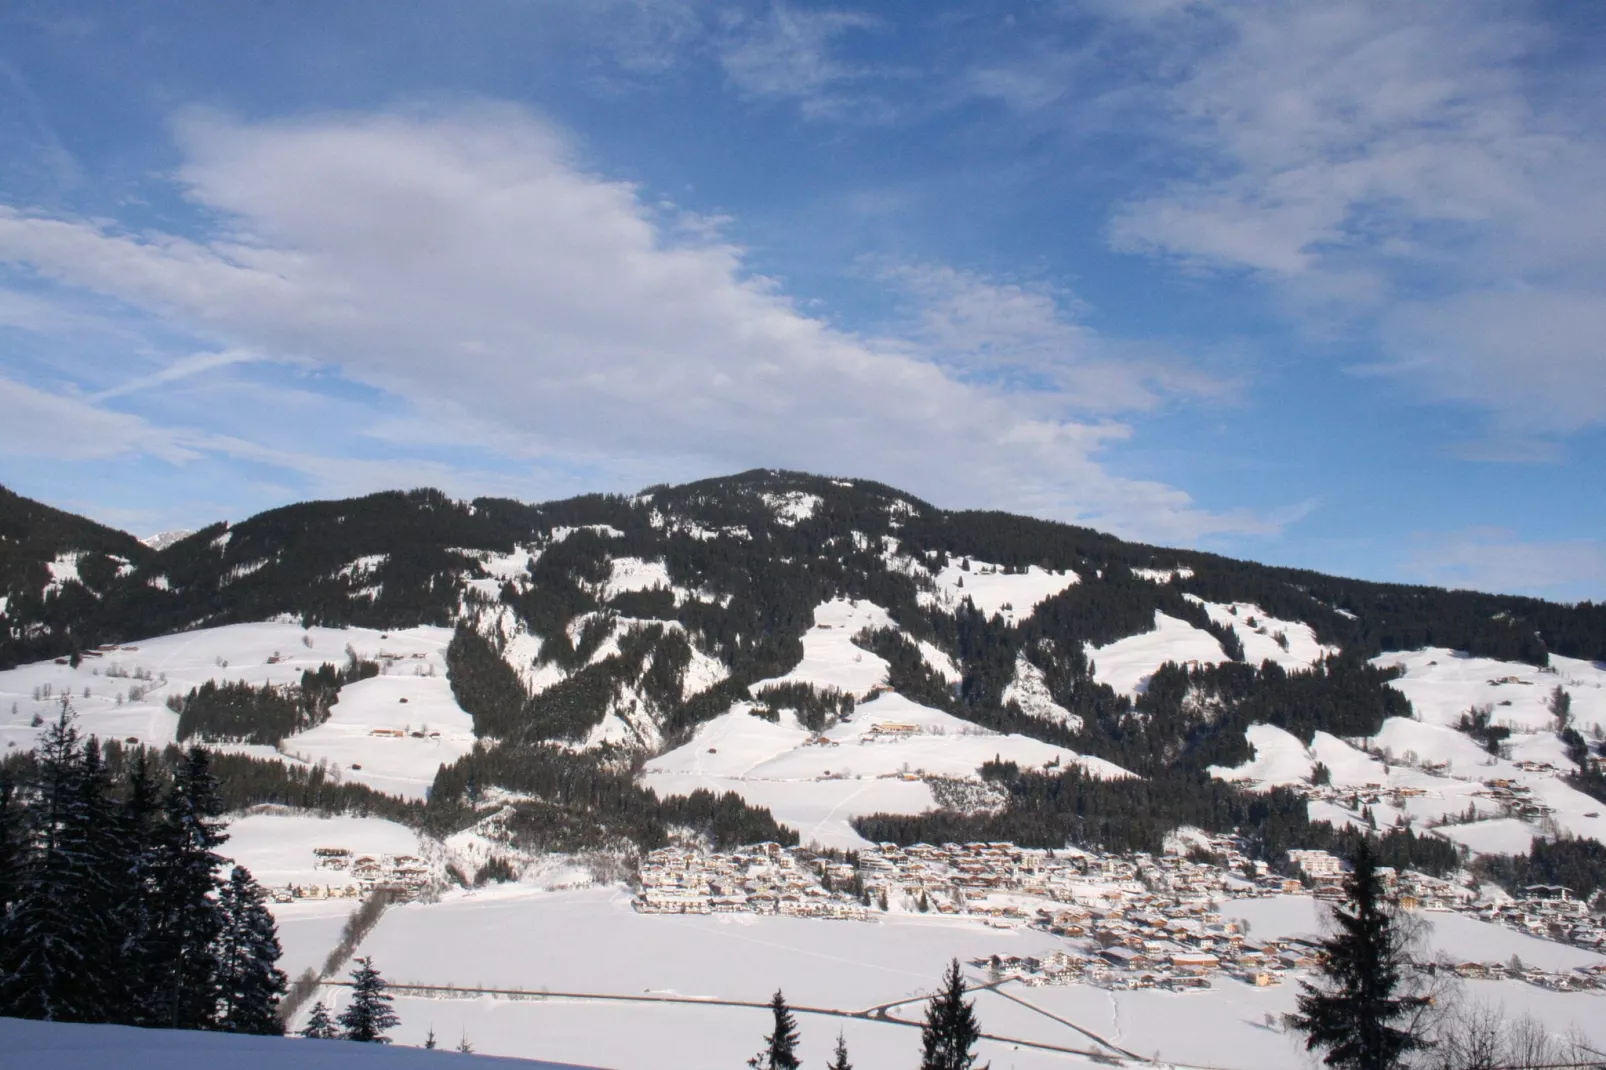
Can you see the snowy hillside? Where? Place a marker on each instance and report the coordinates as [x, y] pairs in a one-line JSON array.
[[391, 732], [1427, 772]]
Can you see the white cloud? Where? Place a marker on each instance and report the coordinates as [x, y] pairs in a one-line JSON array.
[[1374, 156], [787, 54], [465, 263], [1493, 559], [1027, 334], [43, 424]]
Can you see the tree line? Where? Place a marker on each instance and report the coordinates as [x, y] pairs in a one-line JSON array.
[[1052, 809], [112, 907], [240, 713]]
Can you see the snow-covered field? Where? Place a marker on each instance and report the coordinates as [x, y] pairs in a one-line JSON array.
[[1011, 595], [592, 942], [830, 659], [1127, 664], [152, 669], [361, 726], [1259, 634], [871, 762]]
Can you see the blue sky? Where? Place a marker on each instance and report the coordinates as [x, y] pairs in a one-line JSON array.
[[1315, 283]]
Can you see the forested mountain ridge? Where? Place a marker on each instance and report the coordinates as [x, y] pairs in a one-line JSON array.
[[592, 634], [744, 560]]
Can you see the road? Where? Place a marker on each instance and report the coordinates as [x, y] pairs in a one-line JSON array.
[[1106, 1052]]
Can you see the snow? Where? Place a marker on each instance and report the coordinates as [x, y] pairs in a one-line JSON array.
[[402, 766], [60, 1046], [1503, 836], [592, 941], [1460, 937], [1260, 643], [635, 574], [1163, 575], [939, 662], [818, 788], [1443, 684], [277, 847], [1012, 595], [241, 571], [1280, 758], [273, 653], [363, 567], [1029, 691], [163, 539], [606, 531], [830, 659], [792, 506], [1127, 664], [63, 570]]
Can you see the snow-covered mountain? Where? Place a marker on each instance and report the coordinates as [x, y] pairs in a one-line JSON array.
[[827, 649], [449, 694]]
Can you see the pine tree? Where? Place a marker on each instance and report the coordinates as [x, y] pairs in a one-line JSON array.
[[250, 983], [369, 1014], [1352, 1015], [839, 1057], [13, 833], [93, 836], [319, 1026], [134, 896], [950, 1033], [52, 963], [429, 1041], [188, 916], [780, 1046], [464, 1046]]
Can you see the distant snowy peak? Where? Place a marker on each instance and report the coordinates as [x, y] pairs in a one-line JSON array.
[[163, 539]]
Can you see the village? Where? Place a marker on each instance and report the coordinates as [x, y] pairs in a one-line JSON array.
[[1129, 921], [402, 877]]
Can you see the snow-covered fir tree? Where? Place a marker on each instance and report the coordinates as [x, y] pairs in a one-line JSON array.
[[319, 1025], [369, 1014], [250, 983]]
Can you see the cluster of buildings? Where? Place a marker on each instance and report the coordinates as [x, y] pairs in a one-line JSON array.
[[403, 876], [1514, 798], [1549, 912], [762, 879], [1128, 921]]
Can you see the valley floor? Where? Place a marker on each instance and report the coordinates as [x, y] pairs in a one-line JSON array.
[[568, 952]]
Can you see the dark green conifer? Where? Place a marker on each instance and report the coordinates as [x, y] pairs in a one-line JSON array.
[[780, 1045], [948, 1038], [1357, 1015]]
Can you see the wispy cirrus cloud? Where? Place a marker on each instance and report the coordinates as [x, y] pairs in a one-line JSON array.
[[790, 53], [1404, 167]]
